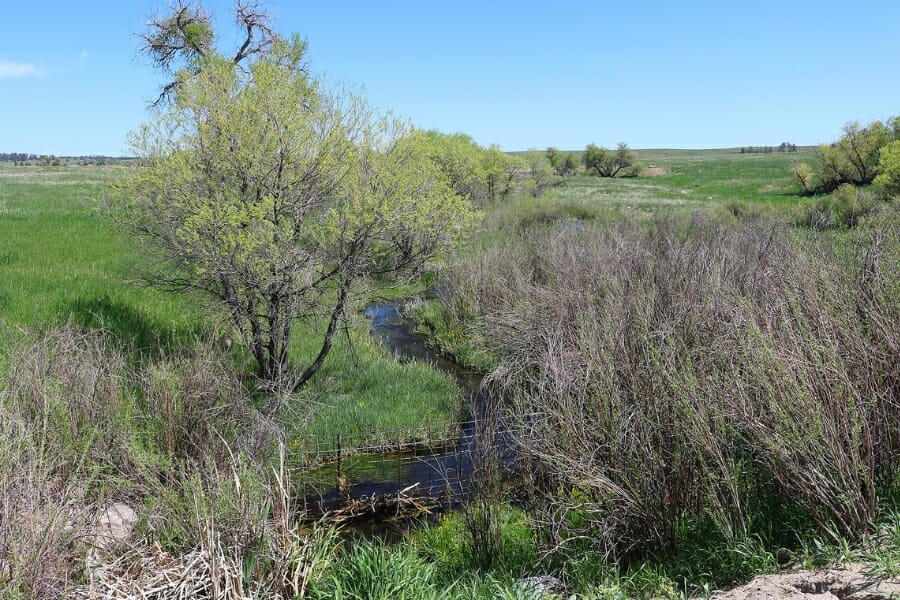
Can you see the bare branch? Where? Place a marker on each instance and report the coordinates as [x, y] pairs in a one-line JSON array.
[[259, 34]]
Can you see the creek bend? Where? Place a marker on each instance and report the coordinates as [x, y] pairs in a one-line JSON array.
[[440, 470]]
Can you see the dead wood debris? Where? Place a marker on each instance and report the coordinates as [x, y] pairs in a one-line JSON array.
[[390, 507]]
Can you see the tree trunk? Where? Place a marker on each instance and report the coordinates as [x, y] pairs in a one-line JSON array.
[[329, 335]]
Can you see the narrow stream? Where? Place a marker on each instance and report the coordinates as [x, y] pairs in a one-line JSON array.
[[398, 335], [444, 472]]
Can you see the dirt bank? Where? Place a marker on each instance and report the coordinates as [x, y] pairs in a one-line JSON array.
[[847, 582]]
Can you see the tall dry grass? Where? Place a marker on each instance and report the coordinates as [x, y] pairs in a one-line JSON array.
[[692, 367], [179, 440], [42, 514]]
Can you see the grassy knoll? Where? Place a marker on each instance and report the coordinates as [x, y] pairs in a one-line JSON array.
[[63, 260]]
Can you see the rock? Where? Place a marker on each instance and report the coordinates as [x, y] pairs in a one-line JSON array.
[[540, 585], [114, 526]]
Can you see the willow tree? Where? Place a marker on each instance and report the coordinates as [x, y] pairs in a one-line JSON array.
[[275, 198], [855, 158], [477, 173]]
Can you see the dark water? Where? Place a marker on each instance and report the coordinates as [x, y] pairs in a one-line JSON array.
[[398, 335], [446, 472]]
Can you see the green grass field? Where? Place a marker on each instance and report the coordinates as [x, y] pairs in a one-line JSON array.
[[63, 260], [681, 180], [694, 178]]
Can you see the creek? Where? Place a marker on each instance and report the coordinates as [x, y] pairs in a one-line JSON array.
[[441, 469]]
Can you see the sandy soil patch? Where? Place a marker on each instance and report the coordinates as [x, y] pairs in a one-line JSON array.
[[848, 582], [654, 171]]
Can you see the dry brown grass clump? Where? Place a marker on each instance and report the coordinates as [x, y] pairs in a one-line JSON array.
[[57, 433], [694, 367], [178, 440], [42, 514]]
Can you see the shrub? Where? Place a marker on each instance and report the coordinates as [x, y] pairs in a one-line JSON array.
[[69, 383], [564, 164], [540, 173], [608, 163], [634, 170], [46, 512], [889, 168], [854, 158], [805, 177], [842, 209], [739, 210], [201, 410], [684, 368]]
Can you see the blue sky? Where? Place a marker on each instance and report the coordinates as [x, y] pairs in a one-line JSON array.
[[520, 74]]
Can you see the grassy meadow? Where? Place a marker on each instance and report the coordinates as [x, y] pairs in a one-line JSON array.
[[692, 179], [675, 181], [64, 261]]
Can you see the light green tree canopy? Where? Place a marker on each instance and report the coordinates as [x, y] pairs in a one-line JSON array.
[[540, 174], [564, 163], [854, 158], [276, 198], [500, 171], [477, 173], [889, 167]]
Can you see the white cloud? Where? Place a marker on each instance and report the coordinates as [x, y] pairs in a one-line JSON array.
[[82, 57], [13, 70]]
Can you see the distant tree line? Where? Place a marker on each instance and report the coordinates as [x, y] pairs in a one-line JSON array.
[[44, 160], [783, 147], [17, 156], [25, 158]]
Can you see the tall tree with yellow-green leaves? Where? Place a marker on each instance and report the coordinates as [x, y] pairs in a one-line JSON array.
[[888, 178], [853, 159], [274, 197], [475, 172]]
